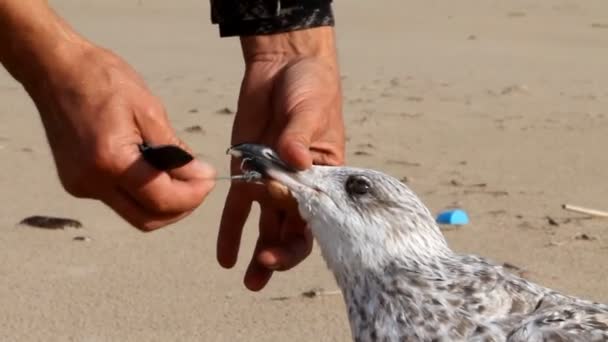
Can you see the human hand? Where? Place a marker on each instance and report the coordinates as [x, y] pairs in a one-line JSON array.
[[96, 112], [291, 101]]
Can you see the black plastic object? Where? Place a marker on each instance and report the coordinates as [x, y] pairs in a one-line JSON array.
[[165, 157]]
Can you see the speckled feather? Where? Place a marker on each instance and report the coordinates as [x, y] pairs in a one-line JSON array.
[[401, 281]]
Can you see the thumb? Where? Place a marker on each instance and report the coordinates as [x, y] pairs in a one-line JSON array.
[[158, 131], [294, 142]]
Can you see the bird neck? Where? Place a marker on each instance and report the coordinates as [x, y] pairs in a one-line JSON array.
[[377, 244], [399, 302]]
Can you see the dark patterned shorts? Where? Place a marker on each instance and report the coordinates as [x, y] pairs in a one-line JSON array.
[[255, 17]]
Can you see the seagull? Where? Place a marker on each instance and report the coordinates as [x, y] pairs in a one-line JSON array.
[[399, 279]]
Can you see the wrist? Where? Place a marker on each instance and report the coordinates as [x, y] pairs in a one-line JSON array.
[[318, 42]]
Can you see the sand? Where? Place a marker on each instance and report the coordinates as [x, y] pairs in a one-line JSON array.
[[498, 108]]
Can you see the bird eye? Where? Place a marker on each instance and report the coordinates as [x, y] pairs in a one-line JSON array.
[[358, 185]]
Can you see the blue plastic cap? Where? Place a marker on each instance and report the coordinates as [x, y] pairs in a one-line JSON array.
[[454, 217]]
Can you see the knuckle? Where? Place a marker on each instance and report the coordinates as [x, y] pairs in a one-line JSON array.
[[98, 160], [153, 109]]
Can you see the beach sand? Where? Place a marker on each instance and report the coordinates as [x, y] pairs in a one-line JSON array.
[[498, 108]]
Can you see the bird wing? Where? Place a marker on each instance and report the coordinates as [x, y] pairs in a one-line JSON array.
[[570, 322]]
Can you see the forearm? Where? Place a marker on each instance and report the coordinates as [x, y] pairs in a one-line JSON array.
[[34, 40]]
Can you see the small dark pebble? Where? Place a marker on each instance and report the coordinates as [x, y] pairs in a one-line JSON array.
[[362, 153], [193, 110], [47, 222], [225, 110], [405, 179]]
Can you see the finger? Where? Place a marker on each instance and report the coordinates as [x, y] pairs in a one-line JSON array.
[[172, 192], [235, 213], [258, 275], [296, 244], [281, 197], [293, 147], [332, 154], [135, 215], [159, 193]]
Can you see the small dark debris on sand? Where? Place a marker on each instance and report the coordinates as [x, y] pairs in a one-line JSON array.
[[455, 182], [195, 129], [366, 145], [47, 222], [510, 266], [312, 293], [585, 237], [362, 153], [515, 269], [225, 111], [82, 238], [552, 221], [193, 110], [497, 193], [402, 162], [458, 183]]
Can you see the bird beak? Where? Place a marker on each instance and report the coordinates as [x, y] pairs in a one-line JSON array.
[[259, 158], [265, 161]]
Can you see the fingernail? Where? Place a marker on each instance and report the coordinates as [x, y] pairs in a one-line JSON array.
[[203, 168]]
